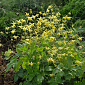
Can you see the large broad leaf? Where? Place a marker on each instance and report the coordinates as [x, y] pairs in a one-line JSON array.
[[68, 76], [31, 76], [49, 68], [56, 71], [40, 78], [18, 65], [20, 73], [24, 65], [27, 83], [53, 83], [20, 83], [58, 79], [9, 65], [15, 77]]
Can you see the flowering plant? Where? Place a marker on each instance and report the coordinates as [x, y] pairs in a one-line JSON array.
[[49, 53]]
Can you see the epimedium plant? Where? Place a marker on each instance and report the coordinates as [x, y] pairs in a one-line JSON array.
[[49, 52]]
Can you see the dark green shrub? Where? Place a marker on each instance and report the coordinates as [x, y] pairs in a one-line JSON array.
[[80, 23], [76, 7]]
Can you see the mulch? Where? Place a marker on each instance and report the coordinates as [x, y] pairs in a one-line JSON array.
[[8, 79]]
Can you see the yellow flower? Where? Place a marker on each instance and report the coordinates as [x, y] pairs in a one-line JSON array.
[[29, 18], [11, 39], [47, 48], [23, 21], [72, 41], [13, 26], [78, 62], [43, 14], [40, 19], [33, 57], [27, 40], [19, 22], [40, 57], [69, 18], [1, 32], [58, 34], [17, 13], [7, 28], [27, 14], [52, 39], [37, 15], [32, 25], [80, 47], [40, 12], [51, 75], [31, 64], [13, 23], [20, 27], [64, 55], [60, 43], [50, 60], [38, 63], [70, 32], [15, 37], [48, 10], [13, 31], [71, 55], [1, 45], [52, 23], [41, 6], [83, 52], [80, 38], [60, 48], [23, 37], [30, 10], [49, 7], [69, 13], [33, 17], [6, 32], [64, 18], [24, 29], [67, 48]]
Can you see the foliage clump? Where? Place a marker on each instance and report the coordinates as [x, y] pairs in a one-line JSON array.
[[76, 7], [49, 53]]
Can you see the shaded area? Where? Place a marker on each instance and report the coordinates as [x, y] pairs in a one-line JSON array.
[[8, 79]]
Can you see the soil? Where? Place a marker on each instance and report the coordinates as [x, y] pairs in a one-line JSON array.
[[8, 79]]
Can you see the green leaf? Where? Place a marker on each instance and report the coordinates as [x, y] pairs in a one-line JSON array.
[[55, 71], [25, 58], [61, 73], [58, 79], [20, 83], [24, 49], [20, 73], [18, 50], [9, 65], [68, 76], [49, 68], [15, 77], [40, 78], [69, 61], [24, 65], [53, 83], [18, 65], [31, 76]]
